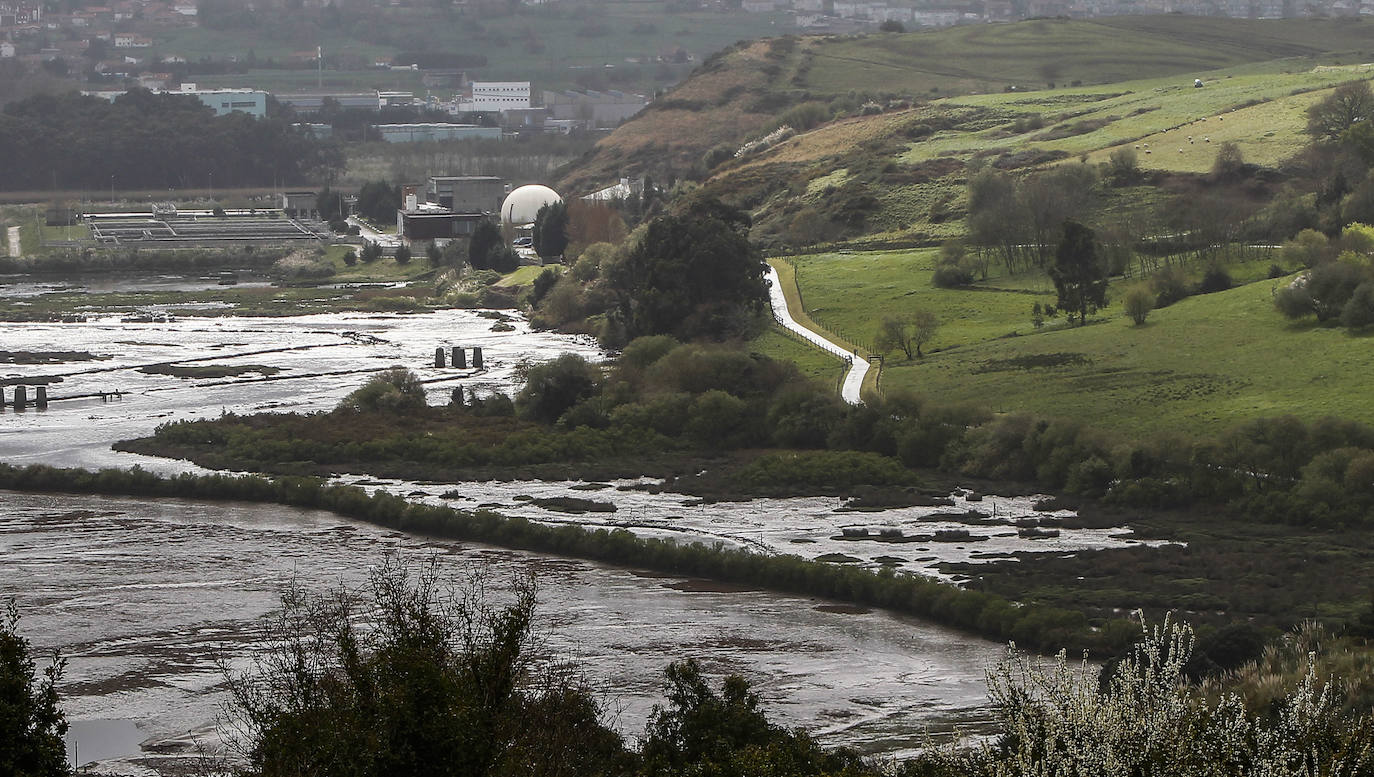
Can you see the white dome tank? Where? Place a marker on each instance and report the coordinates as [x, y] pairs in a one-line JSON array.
[[523, 204]]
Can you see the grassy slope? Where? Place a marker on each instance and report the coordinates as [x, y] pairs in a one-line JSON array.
[[715, 106], [989, 58], [1199, 366], [912, 178]]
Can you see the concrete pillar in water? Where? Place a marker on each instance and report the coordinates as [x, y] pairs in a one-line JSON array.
[[439, 356], [460, 358], [21, 398], [40, 398], [2, 399], [477, 357]]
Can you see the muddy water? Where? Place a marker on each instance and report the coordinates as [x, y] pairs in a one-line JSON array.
[[145, 596]]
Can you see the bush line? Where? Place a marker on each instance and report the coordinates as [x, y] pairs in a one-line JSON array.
[[1031, 626]]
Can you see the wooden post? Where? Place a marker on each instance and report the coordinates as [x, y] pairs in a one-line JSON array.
[[439, 356]]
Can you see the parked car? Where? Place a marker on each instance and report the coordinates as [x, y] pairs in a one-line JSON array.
[[523, 242]]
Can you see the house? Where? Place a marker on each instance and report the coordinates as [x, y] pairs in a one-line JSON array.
[[6, 50], [758, 6], [126, 41]]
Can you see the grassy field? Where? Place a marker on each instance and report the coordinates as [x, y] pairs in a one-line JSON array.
[[991, 58], [1198, 366], [814, 363], [850, 292]]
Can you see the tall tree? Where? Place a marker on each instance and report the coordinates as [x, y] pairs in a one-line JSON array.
[[1347, 105], [485, 238], [1079, 276], [693, 273], [551, 230], [31, 725], [379, 200]]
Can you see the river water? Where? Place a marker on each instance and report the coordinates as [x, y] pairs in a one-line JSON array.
[[144, 596]]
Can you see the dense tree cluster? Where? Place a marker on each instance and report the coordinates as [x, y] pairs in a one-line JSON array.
[[691, 273], [143, 140]]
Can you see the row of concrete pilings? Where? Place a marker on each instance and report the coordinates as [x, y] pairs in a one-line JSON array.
[[458, 357], [22, 400]]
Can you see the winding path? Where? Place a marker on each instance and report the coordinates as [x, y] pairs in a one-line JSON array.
[[858, 366]]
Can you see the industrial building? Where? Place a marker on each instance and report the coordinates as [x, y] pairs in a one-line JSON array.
[[427, 132], [494, 97], [227, 101], [452, 207], [311, 102], [300, 205], [466, 193], [595, 110]]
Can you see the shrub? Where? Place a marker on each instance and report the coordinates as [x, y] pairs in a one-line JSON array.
[[396, 389], [1169, 285], [949, 276], [553, 387], [402, 255], [1138, 303], [1358, 313], [1216, 279]]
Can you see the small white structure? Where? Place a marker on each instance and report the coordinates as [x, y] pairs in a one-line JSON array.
[[523, 204]]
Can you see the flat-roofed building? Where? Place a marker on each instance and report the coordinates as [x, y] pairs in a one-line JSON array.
[[466, 193], [430, 132]]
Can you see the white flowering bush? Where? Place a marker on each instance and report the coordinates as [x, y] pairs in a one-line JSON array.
[[1059, 719], [767, 141]]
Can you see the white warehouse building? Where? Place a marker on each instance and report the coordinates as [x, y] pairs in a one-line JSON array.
[[495, 96]]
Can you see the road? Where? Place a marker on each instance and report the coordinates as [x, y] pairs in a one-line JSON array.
[[380, 238], [858, 368], [15, 250]]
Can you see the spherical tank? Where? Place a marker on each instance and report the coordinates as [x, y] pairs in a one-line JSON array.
[[523, 204]]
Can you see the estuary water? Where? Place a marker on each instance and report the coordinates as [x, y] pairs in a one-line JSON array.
[[146, 597]]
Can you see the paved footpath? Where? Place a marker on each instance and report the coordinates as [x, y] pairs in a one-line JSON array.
[[858, 366], [15, 248]]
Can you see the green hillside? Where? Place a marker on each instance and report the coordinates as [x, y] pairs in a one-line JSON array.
[[1196, 367], [989, 58], [890, 125]]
